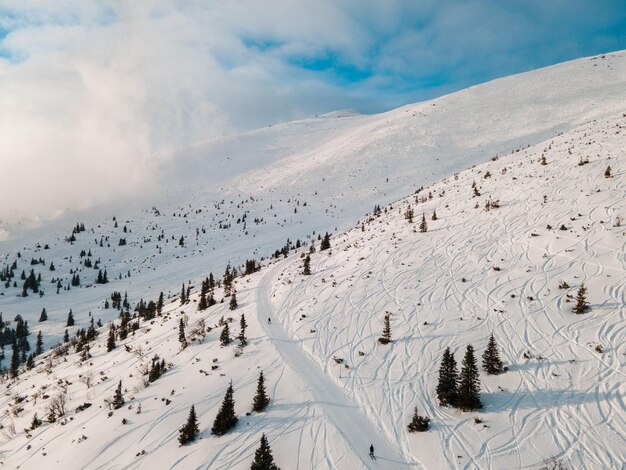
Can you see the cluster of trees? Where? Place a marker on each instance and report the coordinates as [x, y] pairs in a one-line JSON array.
[[462, 390], [226, 418]]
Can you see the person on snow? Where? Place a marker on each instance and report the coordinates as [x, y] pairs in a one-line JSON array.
[[372, 451]]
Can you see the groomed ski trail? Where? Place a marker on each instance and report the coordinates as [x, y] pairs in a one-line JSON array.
[[351, 423]]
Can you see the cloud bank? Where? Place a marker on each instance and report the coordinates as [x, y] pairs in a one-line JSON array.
[[95, 94]]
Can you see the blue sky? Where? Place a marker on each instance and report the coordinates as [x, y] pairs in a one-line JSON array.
[[91, 86]]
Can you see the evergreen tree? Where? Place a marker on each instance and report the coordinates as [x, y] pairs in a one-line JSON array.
[[160, 304], [607, 172], [434, 216], [225, 335], [118, 398], [386, 337], [448, 380], [468, 397], [181, 334], [44, 315], [70, 319], [423, 225], [242, 330], [582, 305], [325, 245], [226, 418], [261, 400], [306, 268], [419, 423], [39, 344], [15, 360], [263, 458], [233, 301], [183, 298], [189, 431], [491, 358], [203, 304], [111, 339], [30, 363], [66, 337]]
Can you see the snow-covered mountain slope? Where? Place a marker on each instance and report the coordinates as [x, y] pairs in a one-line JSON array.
[[473, 273], [243, 196]]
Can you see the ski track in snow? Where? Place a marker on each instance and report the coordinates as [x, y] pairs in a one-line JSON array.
[[351, 423]]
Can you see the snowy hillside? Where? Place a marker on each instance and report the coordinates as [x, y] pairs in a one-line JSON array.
[[508, 233]]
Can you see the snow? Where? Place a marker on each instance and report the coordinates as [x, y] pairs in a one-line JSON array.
[[564, 401]]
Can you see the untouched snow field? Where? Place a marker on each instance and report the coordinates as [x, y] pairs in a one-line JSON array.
[[473, 273]]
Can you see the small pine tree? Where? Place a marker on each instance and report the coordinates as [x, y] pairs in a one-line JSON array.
[[242, 330], [423, 225], [39, 344], [491, 358], [44, 315], [233, 301], [118, 398], [160, 304], [419, 423], [189, 431], [66, 337], [181, 334], [607, 172], [70, 319], [203, 304], [582, 305], [306, 267], [111, 339], [183, 298], [226, 418], [263, 458], [448, 380], [325, 245], [261, 400], [468, 397], [225, 335], [15, 360], [434, 216], [386, 337]]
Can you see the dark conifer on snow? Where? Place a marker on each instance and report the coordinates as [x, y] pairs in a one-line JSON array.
[[39, 344], [263, 458], [582, 305], [448, 380], [386, 337], [468, 395], [242, 330], [183, 297], [44, 315], [226, 418], [70, 319], [189, 431], [233, 301], [491, 358], [66, 337], [419, 423], [325, 245], [111, 339], [306, 267], [225, 335], [15, 360], [160, 304], [261, 400], [118, 398], [607, 172], [423, 225], [181, 334]]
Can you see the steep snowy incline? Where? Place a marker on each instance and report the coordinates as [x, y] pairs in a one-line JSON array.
[[350, 422], [507, 259]]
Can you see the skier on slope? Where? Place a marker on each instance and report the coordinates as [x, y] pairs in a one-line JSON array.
[[372, 451], [269, 320]]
